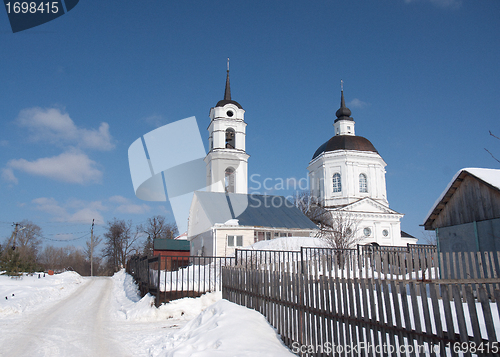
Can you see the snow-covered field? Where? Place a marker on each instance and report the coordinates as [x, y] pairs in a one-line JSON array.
[[68, 315]]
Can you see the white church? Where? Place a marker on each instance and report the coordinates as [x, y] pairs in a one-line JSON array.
[[225, 217], [347, 176]]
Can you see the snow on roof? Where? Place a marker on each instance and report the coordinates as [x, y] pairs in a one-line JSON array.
[[288, 243], [490, 176]]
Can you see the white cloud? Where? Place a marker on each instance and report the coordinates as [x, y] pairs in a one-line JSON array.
[[118, 199], [133, 208], [86, 215], [54, 126], [74, 211], [72, 166], [125, 206], [356, 103], [51, 206], [154, 120], [8, 175]]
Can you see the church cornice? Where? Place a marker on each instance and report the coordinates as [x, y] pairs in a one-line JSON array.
[[371, 202], [349, 156], [228, 154]]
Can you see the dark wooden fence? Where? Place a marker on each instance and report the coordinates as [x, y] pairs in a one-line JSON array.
[[362, 315], [406, 297], [173, 277]]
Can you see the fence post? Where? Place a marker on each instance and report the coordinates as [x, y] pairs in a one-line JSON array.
[[236, 256], [302, 260], [158, 286]]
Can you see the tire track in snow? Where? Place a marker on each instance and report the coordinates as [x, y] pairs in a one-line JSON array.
[[79, 325]]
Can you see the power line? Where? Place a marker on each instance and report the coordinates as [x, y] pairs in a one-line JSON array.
[[66, 240]]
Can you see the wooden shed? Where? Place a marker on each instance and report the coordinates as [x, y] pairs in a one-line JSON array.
[[466, 217], [174, 254]]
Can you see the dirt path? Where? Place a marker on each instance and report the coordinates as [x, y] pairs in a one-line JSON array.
[[79, 325]]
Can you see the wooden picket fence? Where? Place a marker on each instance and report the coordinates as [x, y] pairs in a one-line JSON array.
[[330, 310]]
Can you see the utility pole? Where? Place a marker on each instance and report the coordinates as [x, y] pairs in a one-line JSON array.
[[13, 237], [92, 250]]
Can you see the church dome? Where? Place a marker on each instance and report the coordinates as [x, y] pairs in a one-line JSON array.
[[345, 142], [223, 102]]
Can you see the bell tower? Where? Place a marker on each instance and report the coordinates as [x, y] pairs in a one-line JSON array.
[[227, 159]]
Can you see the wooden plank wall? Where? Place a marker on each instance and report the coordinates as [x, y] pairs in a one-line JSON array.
[[472, 201]]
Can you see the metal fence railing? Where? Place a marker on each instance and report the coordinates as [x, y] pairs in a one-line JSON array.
[[174, 277]]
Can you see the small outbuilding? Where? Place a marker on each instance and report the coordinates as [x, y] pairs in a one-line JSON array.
[[176, 249], [466, 217]]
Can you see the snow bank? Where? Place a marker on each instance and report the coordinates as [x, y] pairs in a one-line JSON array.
[[205, 326], [128, 304], [224, 329], [28, 292]]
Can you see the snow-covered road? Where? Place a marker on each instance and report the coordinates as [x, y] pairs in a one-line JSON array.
[[69, 315], [78, 325]]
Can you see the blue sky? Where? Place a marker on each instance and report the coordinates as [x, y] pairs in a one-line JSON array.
[[421, 79]]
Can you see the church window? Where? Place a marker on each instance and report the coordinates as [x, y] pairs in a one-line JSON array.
[[363, 183], [229, 113], [230, 140], [337, 185], [229, 180], [385, 232], [367, 231]]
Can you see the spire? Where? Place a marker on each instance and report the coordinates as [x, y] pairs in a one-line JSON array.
[[227, 91], [343, 113]]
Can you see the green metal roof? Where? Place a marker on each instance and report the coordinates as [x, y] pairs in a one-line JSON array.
[[171, 244]]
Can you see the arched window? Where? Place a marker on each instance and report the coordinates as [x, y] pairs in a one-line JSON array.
[[363, 183], [230, 139], [229, 180], [337, 185]]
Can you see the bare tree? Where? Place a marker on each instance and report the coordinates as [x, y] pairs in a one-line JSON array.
[[429, 237], [310, 206], [493, 156], [21, 249], [119, 243], [64, 259], [338, 228], [157, 228]]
